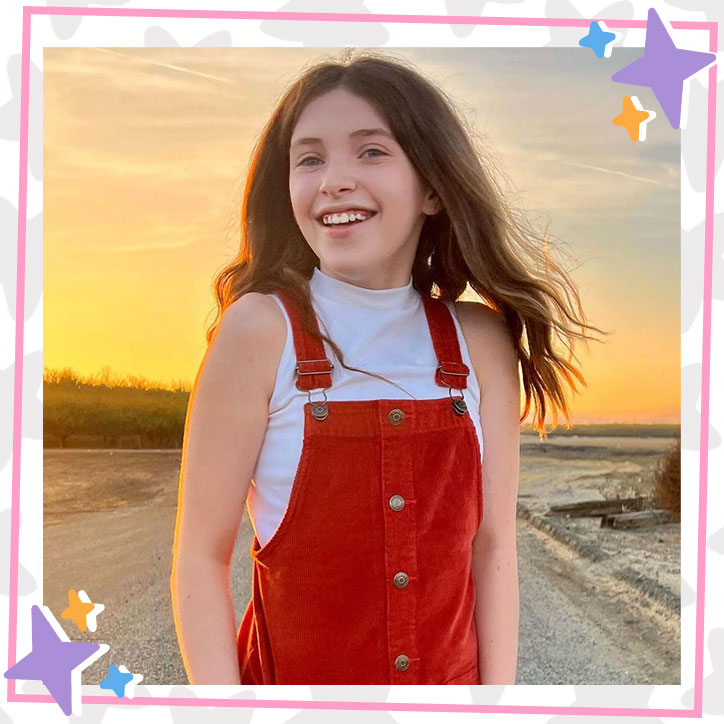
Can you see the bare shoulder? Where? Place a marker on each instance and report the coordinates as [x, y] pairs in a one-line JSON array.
[[255, 313], [490, 343], [252, 330]]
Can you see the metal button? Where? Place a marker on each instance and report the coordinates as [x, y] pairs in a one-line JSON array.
[[460, 407], [402, 663], [320, 411], [397, 502], [401, 579], [396, 416]]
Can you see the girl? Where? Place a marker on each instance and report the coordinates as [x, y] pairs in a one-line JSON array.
[[367, 210]]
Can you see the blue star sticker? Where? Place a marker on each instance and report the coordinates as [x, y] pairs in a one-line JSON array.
[[117, 679], [599, 39]]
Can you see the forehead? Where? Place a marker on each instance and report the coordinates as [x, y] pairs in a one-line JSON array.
[[337, 113]]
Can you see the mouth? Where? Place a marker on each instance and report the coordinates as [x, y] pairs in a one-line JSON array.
[[345, 220]]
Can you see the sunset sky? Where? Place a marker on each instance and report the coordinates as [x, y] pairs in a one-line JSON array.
[[145, 153]]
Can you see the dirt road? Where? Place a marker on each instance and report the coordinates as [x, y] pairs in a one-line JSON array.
[[573, 629], [577, 627]]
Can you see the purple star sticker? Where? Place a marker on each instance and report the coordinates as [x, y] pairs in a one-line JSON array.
[[56, 660], [663, 67]]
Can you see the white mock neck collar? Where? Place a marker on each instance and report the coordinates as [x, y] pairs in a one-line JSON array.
[[328, 287]]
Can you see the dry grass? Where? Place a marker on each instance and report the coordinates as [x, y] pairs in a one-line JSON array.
[[109, 407], [667, 481], [107, 378]]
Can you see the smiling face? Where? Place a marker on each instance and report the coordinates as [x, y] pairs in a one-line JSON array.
[[343, 158]]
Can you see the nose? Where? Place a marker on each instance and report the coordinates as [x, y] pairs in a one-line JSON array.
[[336, 178]]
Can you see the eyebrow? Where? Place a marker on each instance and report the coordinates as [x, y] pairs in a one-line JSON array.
[[354, 134]]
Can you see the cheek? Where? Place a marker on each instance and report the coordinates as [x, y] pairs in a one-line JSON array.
[[401, 191], [297, 198]]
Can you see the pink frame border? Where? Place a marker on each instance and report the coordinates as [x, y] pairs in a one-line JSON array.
[[696, 712]]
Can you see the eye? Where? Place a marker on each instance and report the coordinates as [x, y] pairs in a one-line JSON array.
[[307, 158], [374, 150]]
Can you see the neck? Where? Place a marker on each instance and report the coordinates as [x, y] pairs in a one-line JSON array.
[[343, 292], [391, 279]]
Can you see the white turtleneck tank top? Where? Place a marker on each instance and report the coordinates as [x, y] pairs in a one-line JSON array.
[[379, 330]]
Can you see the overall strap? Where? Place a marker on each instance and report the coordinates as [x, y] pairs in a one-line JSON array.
[[314, 370], [451, 370]]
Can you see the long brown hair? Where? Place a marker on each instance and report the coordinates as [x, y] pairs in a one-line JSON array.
[[476, 240]]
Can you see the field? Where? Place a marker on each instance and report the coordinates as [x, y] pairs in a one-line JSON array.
[[105, 412], [108, 412]]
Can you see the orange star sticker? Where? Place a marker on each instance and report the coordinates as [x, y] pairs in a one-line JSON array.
[[81, 609], [634, 118]]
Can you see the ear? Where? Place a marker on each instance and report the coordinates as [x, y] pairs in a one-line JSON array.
[[432, 204]]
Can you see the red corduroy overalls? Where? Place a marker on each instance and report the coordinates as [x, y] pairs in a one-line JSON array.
[[368, 579]]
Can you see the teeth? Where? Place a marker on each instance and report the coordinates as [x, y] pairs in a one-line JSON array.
[[343, 218]]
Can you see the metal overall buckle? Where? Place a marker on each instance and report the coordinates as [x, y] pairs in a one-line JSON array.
[[459, 405], [320, 410]]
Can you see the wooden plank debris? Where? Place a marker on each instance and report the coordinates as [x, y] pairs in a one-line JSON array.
[[593, 508], [641, 519]]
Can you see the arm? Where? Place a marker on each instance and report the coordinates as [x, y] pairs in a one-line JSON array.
[[495, 558], [225, 426]]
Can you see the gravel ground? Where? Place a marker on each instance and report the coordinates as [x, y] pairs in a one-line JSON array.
[[578, 625], [134, 586]]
